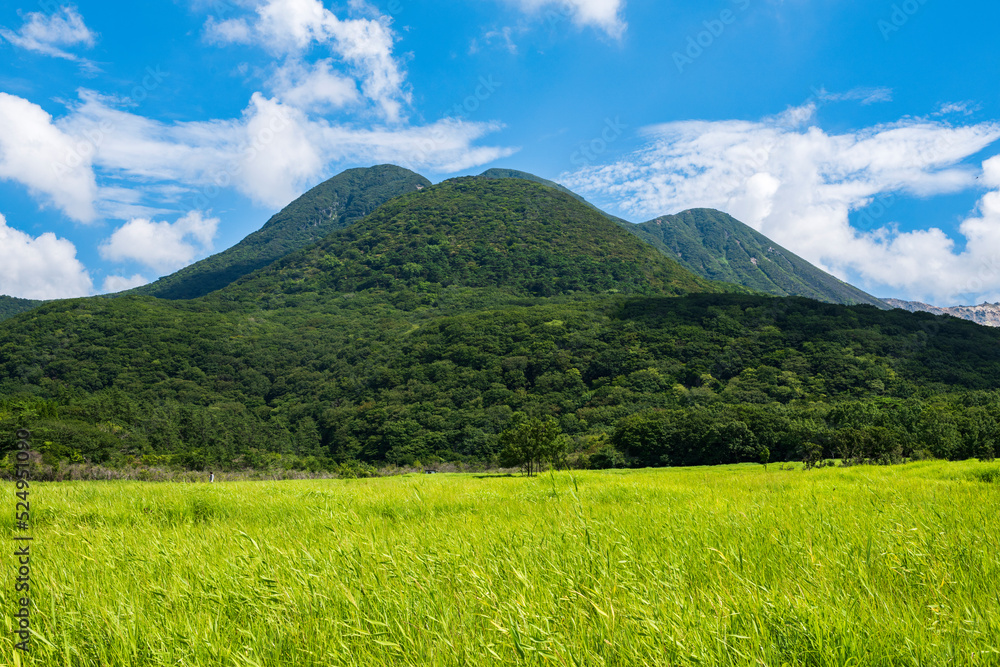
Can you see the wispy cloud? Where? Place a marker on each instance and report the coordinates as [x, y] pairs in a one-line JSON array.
[[604, 15], [798, 185], [958, 108], [52, 34], [864, 95]]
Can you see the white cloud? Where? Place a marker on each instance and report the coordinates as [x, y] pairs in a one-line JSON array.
[[313, 87], [290, 27], [270, 154], [963, 108], [605, 15], [864, 95], [798, 185], [44, 267], [162, 246], [230, 31], [114, 284], [102, 159], [51, 163], [46, 34], [504, 36]]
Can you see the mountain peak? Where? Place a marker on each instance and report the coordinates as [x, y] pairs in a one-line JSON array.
[[717, 246], [511, 234], [331, 205]]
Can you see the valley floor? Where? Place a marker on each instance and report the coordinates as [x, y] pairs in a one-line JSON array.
[[733, 565]]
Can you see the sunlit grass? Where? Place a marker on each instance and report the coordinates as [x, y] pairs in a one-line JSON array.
[[714, 566]]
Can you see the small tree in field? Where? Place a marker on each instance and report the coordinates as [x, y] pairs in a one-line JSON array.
[[530, 443], [764, 455]]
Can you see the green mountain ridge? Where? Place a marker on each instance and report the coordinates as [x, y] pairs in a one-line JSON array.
[[331, 205], [427, 329], [12, 305], [512, 234], [718, 247]]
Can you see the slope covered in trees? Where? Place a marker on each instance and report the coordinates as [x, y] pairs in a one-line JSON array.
[[453, 314], [478, 232], [11, 305], [717, 246], [331, 205]]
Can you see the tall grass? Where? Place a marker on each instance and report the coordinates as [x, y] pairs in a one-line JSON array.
[[700, 566]]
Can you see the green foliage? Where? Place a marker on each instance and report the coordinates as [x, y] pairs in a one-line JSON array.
[[717, 246], [531, 443], [11, 306], [419, 334], [524, 238], [331, 205]]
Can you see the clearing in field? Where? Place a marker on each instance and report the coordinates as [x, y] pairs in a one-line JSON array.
[[710, 566]]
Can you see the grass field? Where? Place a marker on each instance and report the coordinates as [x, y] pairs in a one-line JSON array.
[[709, 566]]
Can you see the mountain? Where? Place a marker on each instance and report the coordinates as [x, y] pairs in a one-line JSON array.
[[514, 173], [987, 314], [329, 206], [718, 247], [521, 237], [11, 305], [449, 315]]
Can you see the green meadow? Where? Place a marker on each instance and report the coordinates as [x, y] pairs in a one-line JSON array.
[[733, 565]]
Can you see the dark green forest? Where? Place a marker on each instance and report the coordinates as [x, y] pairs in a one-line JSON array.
[[10, 306], [451, 316], [331, 205], [720, 247]]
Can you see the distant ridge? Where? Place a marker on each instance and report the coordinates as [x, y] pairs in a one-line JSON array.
[[511, 235], [331, 205], [987, 314], [11, 306], [718, 247]]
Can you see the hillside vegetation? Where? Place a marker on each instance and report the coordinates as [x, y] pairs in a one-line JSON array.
[[331, 205], [11, 305], [453, 314], [718, 247]]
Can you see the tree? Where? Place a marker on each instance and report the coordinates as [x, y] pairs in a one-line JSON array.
[[531, 442]]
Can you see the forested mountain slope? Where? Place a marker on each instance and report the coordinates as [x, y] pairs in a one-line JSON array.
[[512, 234], [425, 330], [717, 246], [331, 205], [11, 305]]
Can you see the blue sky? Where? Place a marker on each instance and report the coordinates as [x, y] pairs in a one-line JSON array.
[[136, 138]]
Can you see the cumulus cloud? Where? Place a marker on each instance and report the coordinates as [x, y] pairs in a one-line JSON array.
[[605, 15], [114, 284], [799, 185], [163, 246], [101, 158], [53, 164], [48, 34], [313, 86], [290, 27], [43, 267], [269, 154]]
